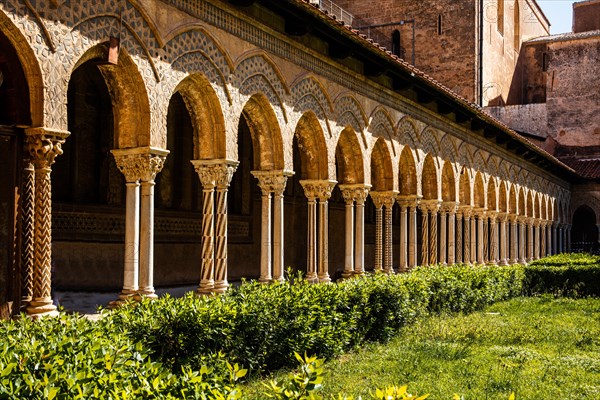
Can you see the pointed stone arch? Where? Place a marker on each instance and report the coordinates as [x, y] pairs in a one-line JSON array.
[[492, 197], [205, 111], [464, 194], [429, 179], [31, 69], [264, 128], [309, 95], [131, 107], [448, 182], [407, 132], [382, 178], [408, 172], [512, 200], [479, 193], [349, 158], [428, 142], [502, 197], [312, 147], [529, 208], [522, 204], [449, 149]]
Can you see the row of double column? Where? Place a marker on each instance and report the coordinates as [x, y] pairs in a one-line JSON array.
[[561, 238]]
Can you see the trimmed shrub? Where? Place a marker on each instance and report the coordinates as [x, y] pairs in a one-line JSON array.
[[572, 275]]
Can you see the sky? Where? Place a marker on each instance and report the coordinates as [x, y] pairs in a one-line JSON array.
[[560, 14]]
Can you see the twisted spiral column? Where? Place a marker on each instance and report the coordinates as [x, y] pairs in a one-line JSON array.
[[493, 258], [361, 194], [433, 248], [225, 172], [412, 236], [43, 145], [486, 240], [459, 237], [424, 236]]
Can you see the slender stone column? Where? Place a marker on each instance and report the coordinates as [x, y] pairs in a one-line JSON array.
[[467, 212], [43, 146], [473, 238], [568, 244], [480, 247], [451, 234], [354, 235], [376, 196], [207, 268], [514, 239], [522, 240], [503, 239], [27, 231], [443, 235], [459, 236], [431, 208], [542, 238], [348, 195], [550, 237], [383, 250], [530, 240], [403, 236], [486, 240], [361, 193], [321, 190], [424, 234], [493, 235], [412, 236], [153, 163], [536, 239], [278, 225], [223, 179], [555, 249], [131, 166], [311, 242]]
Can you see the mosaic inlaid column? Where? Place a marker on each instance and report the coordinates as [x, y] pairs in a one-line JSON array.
[[321, 190], [130, 165], [361, 193], [153, 163], [43, 146], [459, 236], [514, 239], [480, 214], [27, 212]]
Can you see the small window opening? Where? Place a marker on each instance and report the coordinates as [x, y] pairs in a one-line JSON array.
[[439, 26], [396, 42]]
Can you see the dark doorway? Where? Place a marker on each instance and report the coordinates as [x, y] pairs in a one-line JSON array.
[[584, 231]]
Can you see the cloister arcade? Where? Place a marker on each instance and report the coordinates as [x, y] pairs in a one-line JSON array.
[[203, 157]]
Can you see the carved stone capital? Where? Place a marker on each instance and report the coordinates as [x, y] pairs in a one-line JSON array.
[[354, 192], [215, 173], [43, 145], [466, 211], [492, 215], [512, 218], [317, 189], [383, 198], [407, 201], [449, 207], [503, 217], [140, 163], [479, 212], [431, 206], [272, 181]]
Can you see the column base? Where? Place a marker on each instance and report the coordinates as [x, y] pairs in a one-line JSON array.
[[347, 274], [125, 297], [221, 286], [205, 288], [147, 293], [503, 263], [312, 278], [324, 278], [265, 280], [43, 307]]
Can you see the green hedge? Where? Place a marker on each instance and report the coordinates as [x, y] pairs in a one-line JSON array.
[[574, 275], [185, 348]]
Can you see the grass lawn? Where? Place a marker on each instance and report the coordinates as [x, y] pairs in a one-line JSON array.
[[538, 348]]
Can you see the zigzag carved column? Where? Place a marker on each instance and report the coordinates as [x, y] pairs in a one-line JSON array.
[[130, 166], [153, 162], [207, 175], [272, 182], [493, 258], [467, 212], [27, 231], [383, 250], [43, 145], [430, 248]]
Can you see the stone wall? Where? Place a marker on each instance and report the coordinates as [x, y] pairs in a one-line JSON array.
[[586, 16], [528, 118]]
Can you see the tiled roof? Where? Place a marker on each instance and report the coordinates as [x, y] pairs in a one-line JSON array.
[[586, 167], [416, 73], [563, 37]]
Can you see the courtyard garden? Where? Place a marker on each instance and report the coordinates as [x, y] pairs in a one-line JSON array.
[[483, 332]]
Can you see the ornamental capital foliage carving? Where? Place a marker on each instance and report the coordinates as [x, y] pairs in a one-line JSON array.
[[354, 192], [317, 189], [449, 207], [466, 211], [272, 181], [407, 201], [431, 206], [140, 163], [43, 145], [215, 173], [383, 198]]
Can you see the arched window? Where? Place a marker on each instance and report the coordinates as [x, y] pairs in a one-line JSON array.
[[517, 26], [500, 17], [396, 42]]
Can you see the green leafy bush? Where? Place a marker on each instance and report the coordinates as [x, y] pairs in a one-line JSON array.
[[573, 275]]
